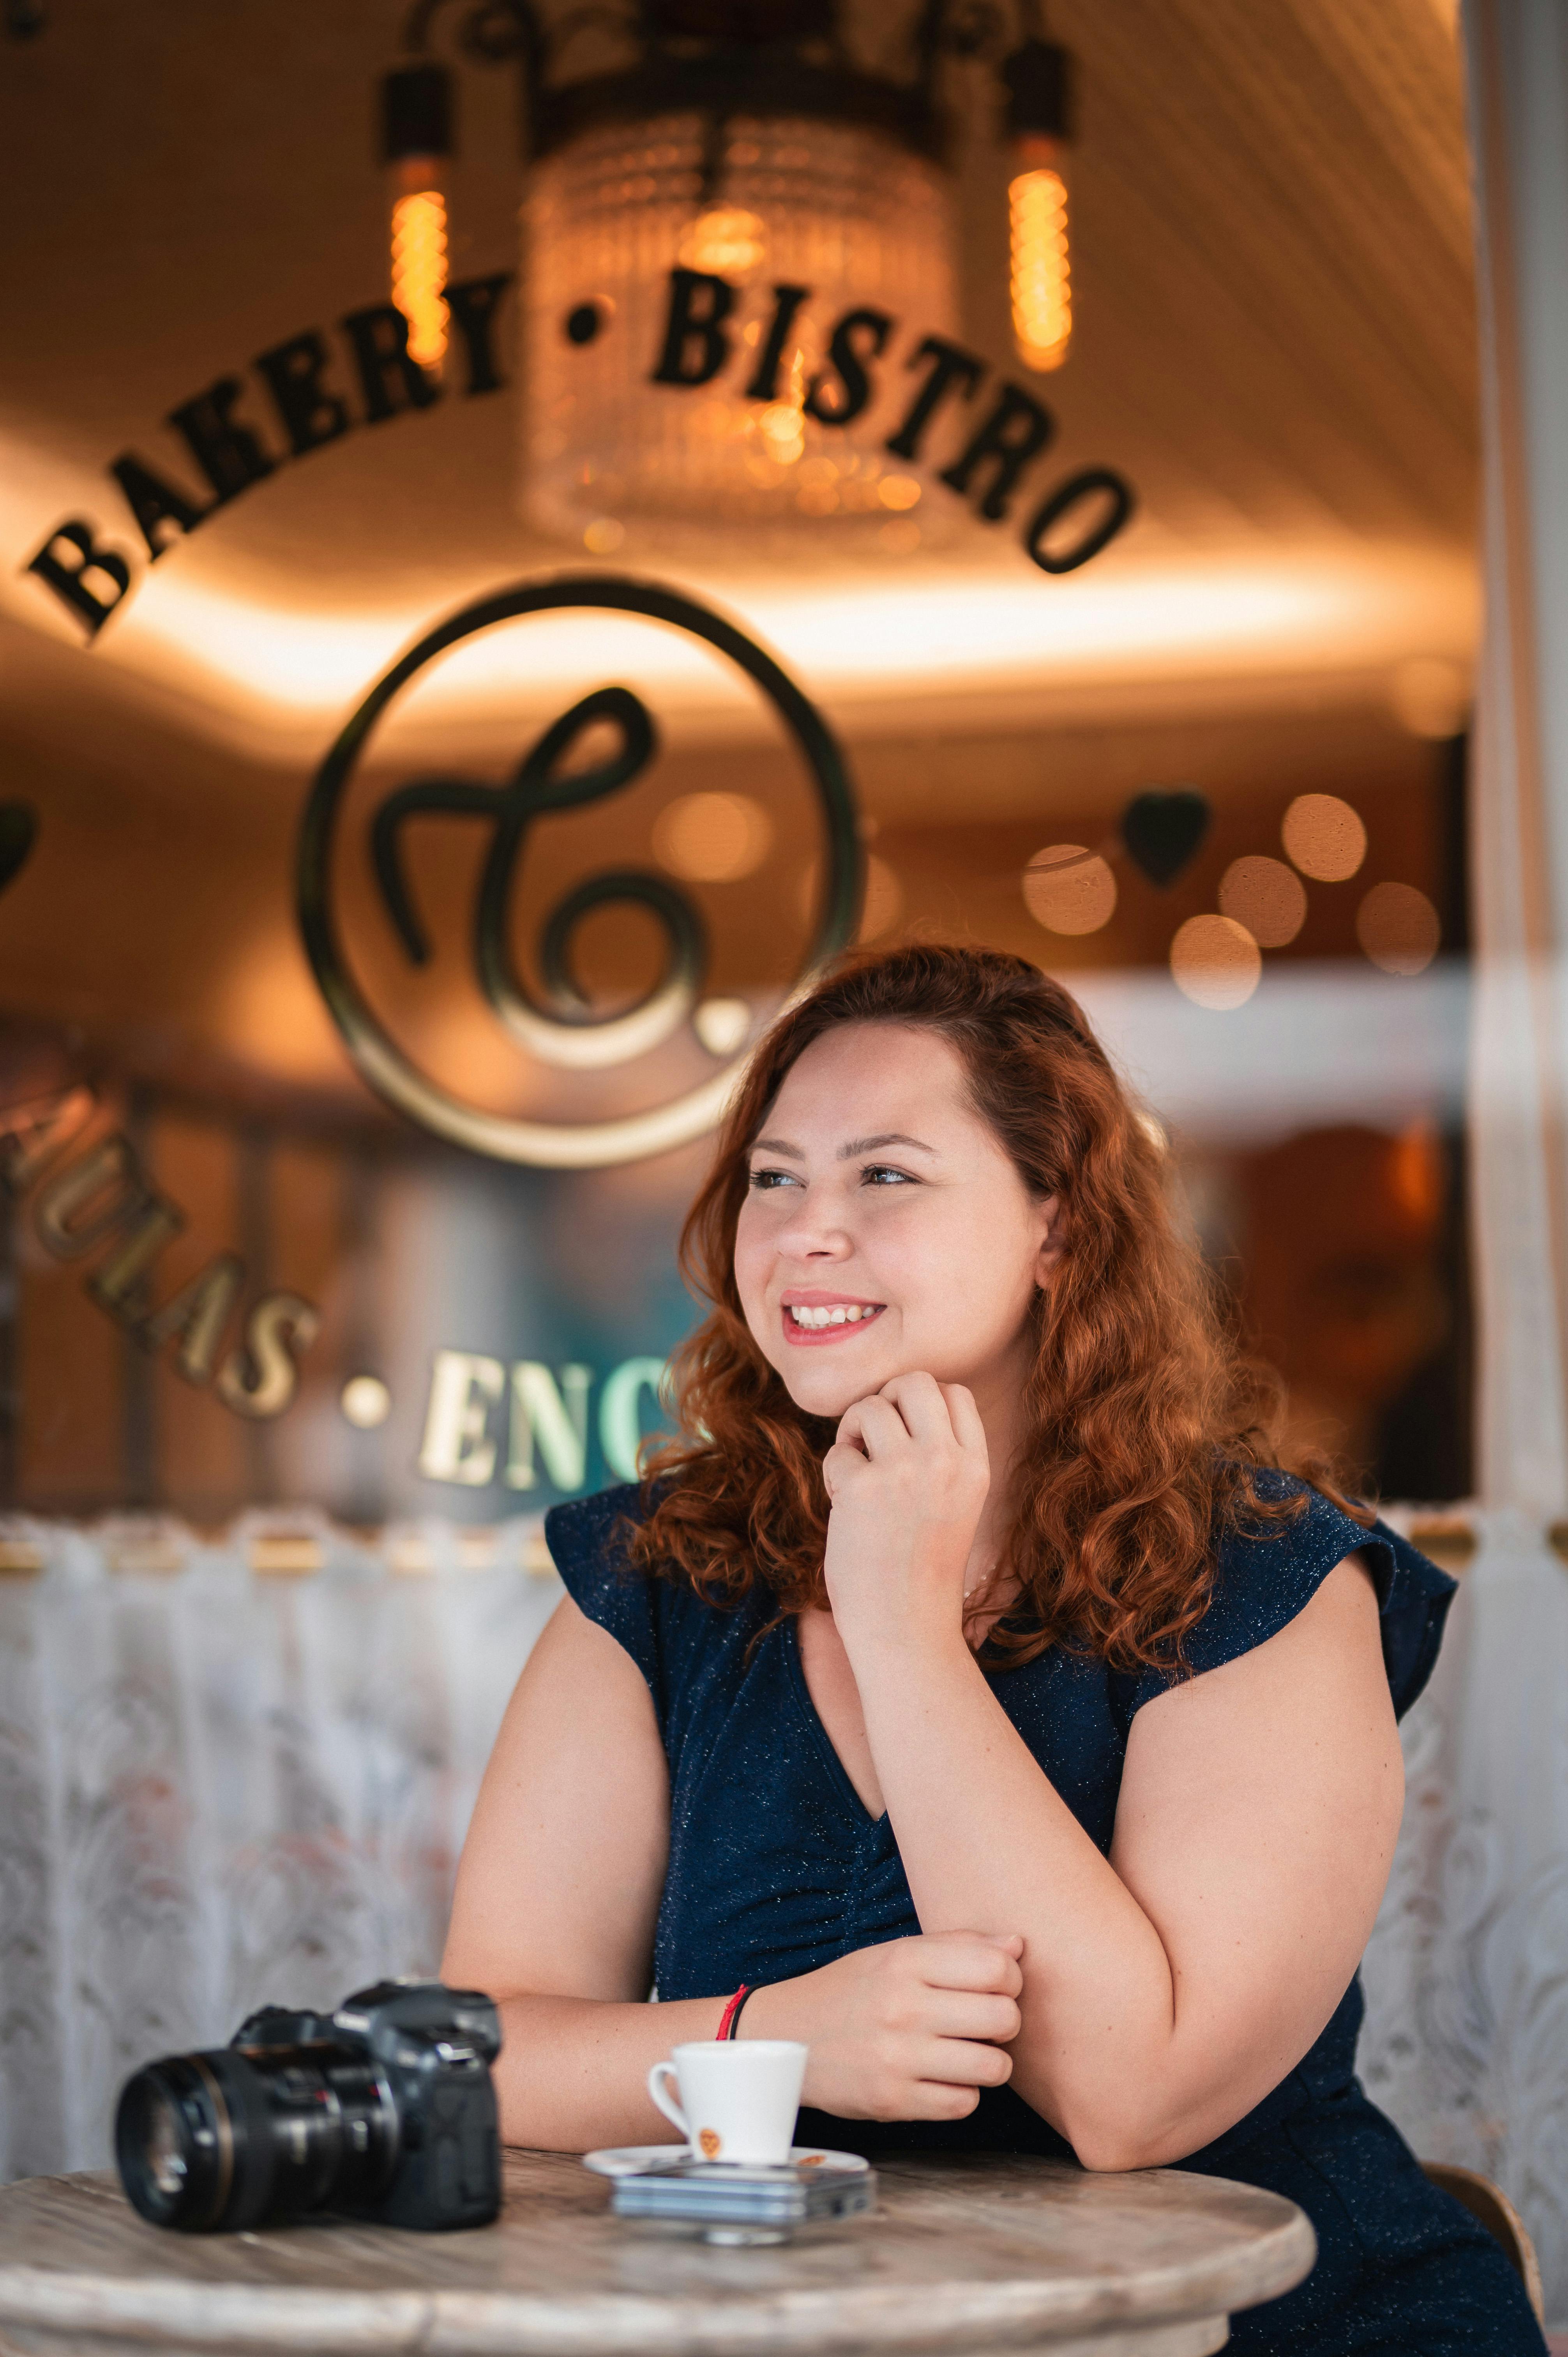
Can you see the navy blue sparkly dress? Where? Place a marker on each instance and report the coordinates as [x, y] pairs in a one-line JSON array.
[[776, 1868]]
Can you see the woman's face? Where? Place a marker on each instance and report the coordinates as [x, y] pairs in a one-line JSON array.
[[886, 1231]]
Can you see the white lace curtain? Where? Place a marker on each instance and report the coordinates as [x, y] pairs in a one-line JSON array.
[[219, 1788], [1467, 1975]]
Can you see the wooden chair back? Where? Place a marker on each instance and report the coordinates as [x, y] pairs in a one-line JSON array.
[[1492, 2209]]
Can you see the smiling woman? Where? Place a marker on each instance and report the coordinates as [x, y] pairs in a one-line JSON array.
[[1128, 1422], [967, 1688]]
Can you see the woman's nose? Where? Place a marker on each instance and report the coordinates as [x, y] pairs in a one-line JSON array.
[[815, 1229]]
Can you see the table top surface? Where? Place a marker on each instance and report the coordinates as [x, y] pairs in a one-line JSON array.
[[961, 2250]]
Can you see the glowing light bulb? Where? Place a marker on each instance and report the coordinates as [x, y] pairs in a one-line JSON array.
[[419, 259], [1041, 268], [727, 239], [782, 424]]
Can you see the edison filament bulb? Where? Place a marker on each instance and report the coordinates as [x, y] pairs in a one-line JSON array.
[[419, 257], [1041, 272]]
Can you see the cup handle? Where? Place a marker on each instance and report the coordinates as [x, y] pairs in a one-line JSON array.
[[671, 2109]]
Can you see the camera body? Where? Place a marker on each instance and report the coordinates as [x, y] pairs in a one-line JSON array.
[[434, 2047], [383, 2111]]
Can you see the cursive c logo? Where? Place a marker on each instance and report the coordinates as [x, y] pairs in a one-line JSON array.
[[560, 1027]]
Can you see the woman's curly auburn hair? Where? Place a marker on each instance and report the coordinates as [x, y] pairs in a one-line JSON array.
[[1146, 1425]]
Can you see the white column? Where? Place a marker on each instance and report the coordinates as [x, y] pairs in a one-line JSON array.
[[1468, 2030], [1518, 58]]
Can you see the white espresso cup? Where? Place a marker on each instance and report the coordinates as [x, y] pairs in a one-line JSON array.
[[739, 2097]]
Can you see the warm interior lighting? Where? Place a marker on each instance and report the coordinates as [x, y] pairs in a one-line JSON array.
[[252, 662], [844, 209], [726, 240], [1325, 837], [1398, 927], [1431, 697], [898, 491], [1216, 963], [1266, 897], [713, 838], [1069, 889], [419, 259], [1041, 270], [783, 431], [781, 425]]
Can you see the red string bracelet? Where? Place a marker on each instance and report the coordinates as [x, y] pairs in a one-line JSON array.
[[732, 2013]]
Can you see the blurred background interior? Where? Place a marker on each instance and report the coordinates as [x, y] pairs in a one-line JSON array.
[[1271, 344], [1083, 407]]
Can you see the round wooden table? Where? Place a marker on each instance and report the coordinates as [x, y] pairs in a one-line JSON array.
[[961, 2255]]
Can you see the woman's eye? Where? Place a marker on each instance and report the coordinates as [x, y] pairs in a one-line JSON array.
[[883, 1174], [767, 1179]]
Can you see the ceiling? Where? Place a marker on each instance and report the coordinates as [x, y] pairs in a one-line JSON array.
[[1273, 343]]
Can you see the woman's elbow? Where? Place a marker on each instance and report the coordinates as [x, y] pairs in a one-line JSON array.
[[1109, 2139], [1109, 2151]]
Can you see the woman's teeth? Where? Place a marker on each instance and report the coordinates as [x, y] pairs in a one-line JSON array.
[[849, 1315]]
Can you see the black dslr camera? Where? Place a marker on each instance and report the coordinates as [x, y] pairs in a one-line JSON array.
[[384, 2110]]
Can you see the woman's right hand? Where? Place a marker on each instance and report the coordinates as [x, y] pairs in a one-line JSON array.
[[908, 2031]]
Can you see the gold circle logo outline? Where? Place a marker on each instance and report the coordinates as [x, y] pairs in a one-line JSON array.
[[579, 1146]]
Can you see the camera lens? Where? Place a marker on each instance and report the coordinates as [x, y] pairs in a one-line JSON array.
[[167, 2165], [174, 2139], [230, 2139]]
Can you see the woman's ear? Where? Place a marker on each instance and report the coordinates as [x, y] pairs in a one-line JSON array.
[[1052, 1239]]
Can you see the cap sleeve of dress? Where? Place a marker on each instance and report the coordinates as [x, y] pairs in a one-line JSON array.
[[1263, 1579], [587, 1539]]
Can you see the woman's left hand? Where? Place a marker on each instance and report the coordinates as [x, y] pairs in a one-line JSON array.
[[907, 1478]]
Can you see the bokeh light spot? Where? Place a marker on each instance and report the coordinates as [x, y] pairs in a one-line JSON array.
[[713, 838], [898, 491], [1215, 961], [1266, 897], [1399, 928], [366, 1401], [1069, 889], [727, 239], [1325, 837]]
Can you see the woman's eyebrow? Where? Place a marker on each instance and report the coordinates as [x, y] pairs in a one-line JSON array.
[[887, 1137], [777, 1146]]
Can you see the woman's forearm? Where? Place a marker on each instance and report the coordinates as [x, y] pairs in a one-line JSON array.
[[572, 2074], [989, 1844]]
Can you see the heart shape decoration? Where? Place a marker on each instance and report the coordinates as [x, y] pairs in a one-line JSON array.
[[1164, 832], [18, 832]]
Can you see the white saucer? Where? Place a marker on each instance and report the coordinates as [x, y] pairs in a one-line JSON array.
[[632, 2160]]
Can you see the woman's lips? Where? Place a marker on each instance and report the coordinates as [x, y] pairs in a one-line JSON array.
[[839, 1325]]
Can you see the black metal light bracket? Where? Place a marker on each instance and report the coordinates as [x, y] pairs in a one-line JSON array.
[[1038, 79], [720, 59]]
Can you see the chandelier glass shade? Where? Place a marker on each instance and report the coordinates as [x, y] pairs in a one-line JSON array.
[[846, 212]]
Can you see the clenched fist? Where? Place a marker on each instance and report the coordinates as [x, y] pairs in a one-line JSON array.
[[909, 2030]]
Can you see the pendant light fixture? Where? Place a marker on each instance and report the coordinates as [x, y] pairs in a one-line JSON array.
[[1039, 80], [744, 213], [417, 140]]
